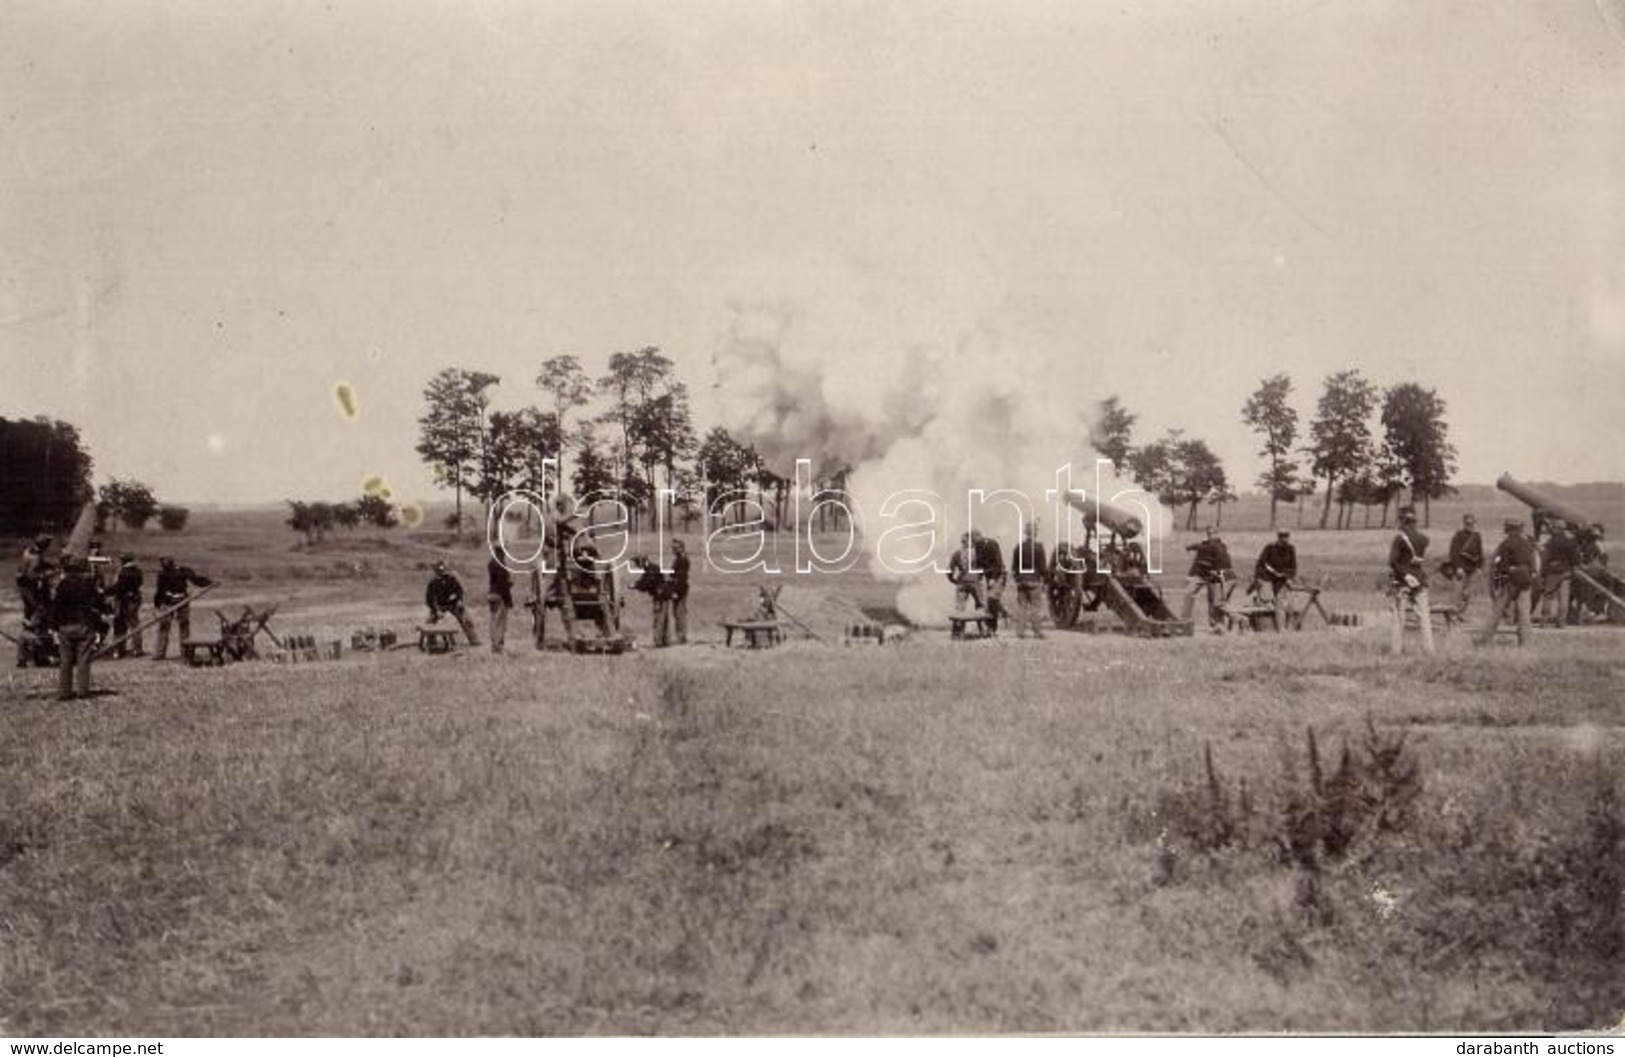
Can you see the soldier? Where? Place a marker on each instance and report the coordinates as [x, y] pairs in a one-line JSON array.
[[98, 564], [966, 576], [34, 576], [1408, 580], [127, 607], [500, 598], [679, 591], [443, 595], [170, 589], [1210, 569], [1466, 560], [1028, 566], [1558, 560], [1277, 566], [1512, 577], [990, 560], [658, 586], [76, 616]]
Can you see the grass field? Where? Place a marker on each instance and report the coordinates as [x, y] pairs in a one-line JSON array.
[[1090, 833]]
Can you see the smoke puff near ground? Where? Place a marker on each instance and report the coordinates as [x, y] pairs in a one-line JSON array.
[[935, 402]]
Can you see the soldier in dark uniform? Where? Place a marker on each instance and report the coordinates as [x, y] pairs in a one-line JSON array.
[[34, 576], [1277, 566], [1408, 580], [1466, 560], [658, 586], [990, 559], [966, 575], [1558, 560], [1028, 566], [172, 587], [1512, 579], [76, 617], [445, 595], [499, 596], [680, 566], [1210, 568], [127, 607], [99, 564]]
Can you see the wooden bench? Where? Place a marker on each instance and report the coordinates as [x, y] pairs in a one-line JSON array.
[[981, 625], [758, 634], [201, 653], [437, 640], [1252, 616]]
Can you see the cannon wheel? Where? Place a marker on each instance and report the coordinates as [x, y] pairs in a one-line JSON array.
[[1064, 603]]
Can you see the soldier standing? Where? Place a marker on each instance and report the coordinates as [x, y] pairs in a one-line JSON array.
[[1028, 565], [500, 598], [1467, 559], [1558, 561], [170, 590], [990, 560], [1408, 580], [443, 595], [76, 616], [679, 591], [1277, 566], [658, 586], [966, 576], [34, 575], [1512, 578], [127, 607], [1210, 567]]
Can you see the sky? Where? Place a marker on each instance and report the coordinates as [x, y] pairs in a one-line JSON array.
[[211, 214]]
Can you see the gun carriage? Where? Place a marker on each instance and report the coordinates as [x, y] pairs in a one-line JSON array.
[[1083, 578]]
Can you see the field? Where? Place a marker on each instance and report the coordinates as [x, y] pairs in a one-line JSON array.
[[1086, 834]]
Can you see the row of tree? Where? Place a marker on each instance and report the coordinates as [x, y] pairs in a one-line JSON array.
[[630, 430], [316, 519], [1358, 465], [132, 504], [44, 476]]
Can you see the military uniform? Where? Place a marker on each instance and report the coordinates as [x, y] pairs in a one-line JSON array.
[[34, 576], [1408, 580], [679, 591], [990, 559], [500, 598], [1210, 568], [76, 616], [658, 586], [1027, 565], [127, 607], [1557, 564], [1277, 566], [1512, 579], [170, 588], [966, 576], [1466, 560], [445, 595]]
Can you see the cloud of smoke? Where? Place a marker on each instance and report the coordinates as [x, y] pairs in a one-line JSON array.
[[916, 399]]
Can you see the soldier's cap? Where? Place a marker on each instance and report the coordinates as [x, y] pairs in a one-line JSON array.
[[1283, 534], [976, 534], [1407, 513], [126, 557], [678, 545], [166, 560], [439, 567], [1468, 519], [1596, 526], [1511, 526]]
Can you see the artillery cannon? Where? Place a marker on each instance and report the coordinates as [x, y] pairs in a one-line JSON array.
[[1597, 591], [1082, 579]]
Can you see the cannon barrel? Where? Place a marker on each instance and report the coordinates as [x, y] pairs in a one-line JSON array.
[[1115, 518], [1540, 501]]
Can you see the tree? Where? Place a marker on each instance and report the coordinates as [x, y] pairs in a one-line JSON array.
[[1276, 422], [313, 519], [376, 511], [563, 377], [172, 518], [663, 432], [1111, 432], [1416, 433], [44, 476], [1179, 472], [130, 502], [593, 473], [1221, 495], [1340, 434], [346, 516], [452, 431], [725, 465]]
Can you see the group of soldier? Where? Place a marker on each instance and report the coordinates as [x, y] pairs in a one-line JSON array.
[[74, 604], [978, 573], [1522, 573], [667, 589]]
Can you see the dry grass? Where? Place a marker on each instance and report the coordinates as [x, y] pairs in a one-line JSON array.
[[917, 839]]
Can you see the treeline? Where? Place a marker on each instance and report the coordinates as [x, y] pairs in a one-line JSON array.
[[317, 519], [630, 431], [45, 480], [1365, 447]]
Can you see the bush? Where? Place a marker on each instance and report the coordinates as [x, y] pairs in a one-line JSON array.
[[172, 518]]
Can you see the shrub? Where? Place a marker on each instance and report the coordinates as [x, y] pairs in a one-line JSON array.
[[172, 518]]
